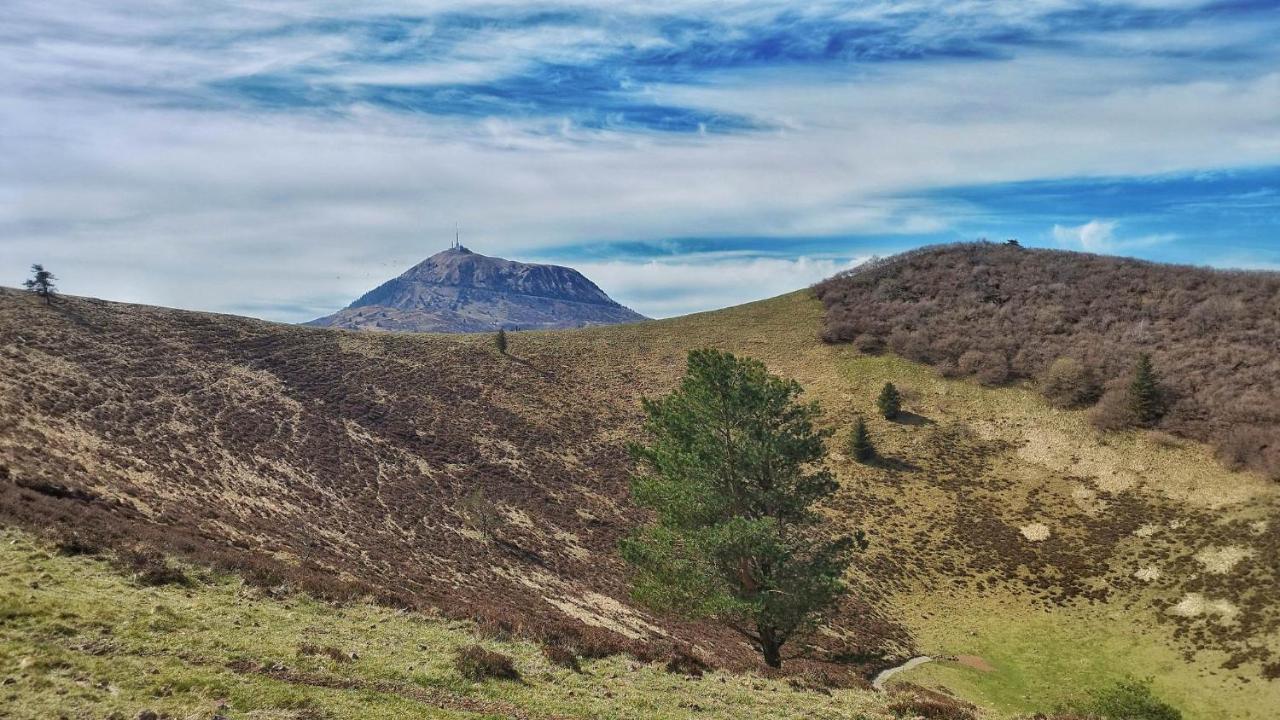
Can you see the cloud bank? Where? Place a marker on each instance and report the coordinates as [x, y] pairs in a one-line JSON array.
[[280, 159]]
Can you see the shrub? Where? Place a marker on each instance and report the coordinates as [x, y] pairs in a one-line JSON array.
[[475, 663], [500, 341], [1250, 447], [1113, 411], [562, 656], [1067, 383], [889, 402], [152, 570], [918, 702], [990, 368], [684, 662], [1129, 699]]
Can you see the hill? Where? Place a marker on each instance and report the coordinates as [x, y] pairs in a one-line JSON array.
[[428, 471], [1002, 313], [461, 291]]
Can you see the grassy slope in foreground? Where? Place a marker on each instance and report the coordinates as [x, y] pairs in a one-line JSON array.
[[78, 638]]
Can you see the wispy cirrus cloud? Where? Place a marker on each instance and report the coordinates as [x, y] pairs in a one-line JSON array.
[[185, 153]]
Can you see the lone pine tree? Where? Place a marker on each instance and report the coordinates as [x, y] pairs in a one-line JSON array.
[[889, 402], [732, 471], [41, 283], [860, 445], [1145, 399]]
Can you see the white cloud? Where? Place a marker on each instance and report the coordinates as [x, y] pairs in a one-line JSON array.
[[666, 288], [294, 214], [1094, 236], [1099, 236]]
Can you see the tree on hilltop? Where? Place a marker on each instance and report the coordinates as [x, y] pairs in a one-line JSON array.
[[500, 341], [733, 471], [41, 283]]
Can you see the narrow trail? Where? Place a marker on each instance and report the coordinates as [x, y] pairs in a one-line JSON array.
[[884, 675]]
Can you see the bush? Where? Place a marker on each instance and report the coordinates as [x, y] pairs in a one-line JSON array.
[[1067, 383], [684, 662], [1251, 447], [475, 663], [1129, 699], [152, 570], [562, 656], [917, 702], [1113, 411], [990, 368]]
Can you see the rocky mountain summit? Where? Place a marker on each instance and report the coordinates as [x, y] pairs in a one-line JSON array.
[[458, 290]]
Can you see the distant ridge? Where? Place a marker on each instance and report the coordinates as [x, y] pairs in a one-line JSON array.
[[458, 290]]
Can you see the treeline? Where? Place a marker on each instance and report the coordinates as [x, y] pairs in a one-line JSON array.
[[1192, 351]]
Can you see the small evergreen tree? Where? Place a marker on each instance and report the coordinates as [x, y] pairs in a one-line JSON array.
[[889, 402], [41, 283], [732, 470], [500, 341], [860, 446], [1145, 399]]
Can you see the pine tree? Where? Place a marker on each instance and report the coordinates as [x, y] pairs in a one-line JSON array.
[[732, 470], [500, 341], [860, 446], [889, 402], [41, 283], [1145, 399]]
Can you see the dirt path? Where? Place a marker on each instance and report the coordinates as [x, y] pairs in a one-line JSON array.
[[884, 675]]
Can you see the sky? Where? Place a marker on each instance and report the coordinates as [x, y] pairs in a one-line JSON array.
[[279, 158]]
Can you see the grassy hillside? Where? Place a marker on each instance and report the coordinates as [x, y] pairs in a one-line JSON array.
[[79, 639], [367, 465]]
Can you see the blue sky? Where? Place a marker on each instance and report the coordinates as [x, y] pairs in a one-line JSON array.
[[278, 159]]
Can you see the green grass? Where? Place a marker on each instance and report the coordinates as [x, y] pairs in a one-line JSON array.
[[1051, 658], [78, 637]]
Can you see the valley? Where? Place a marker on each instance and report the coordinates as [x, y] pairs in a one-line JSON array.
[[431, 474]]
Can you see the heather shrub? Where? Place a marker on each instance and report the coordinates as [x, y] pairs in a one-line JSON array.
[[1213, 335], [475, 663], [562, 656], [1113, 411], [1251, 447], [1067, 383]]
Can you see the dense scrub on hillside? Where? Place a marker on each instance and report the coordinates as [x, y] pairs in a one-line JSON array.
[[1078, 324]]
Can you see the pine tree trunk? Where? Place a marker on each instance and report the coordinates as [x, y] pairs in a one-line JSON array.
[[771, 648]]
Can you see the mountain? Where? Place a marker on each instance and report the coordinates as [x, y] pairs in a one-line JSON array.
[[429, 472], [458, 290]]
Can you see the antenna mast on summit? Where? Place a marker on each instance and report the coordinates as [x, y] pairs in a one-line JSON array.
[[456, 234]]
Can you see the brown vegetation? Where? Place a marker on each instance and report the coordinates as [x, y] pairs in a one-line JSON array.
[[1070, 320], [476, 663]]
